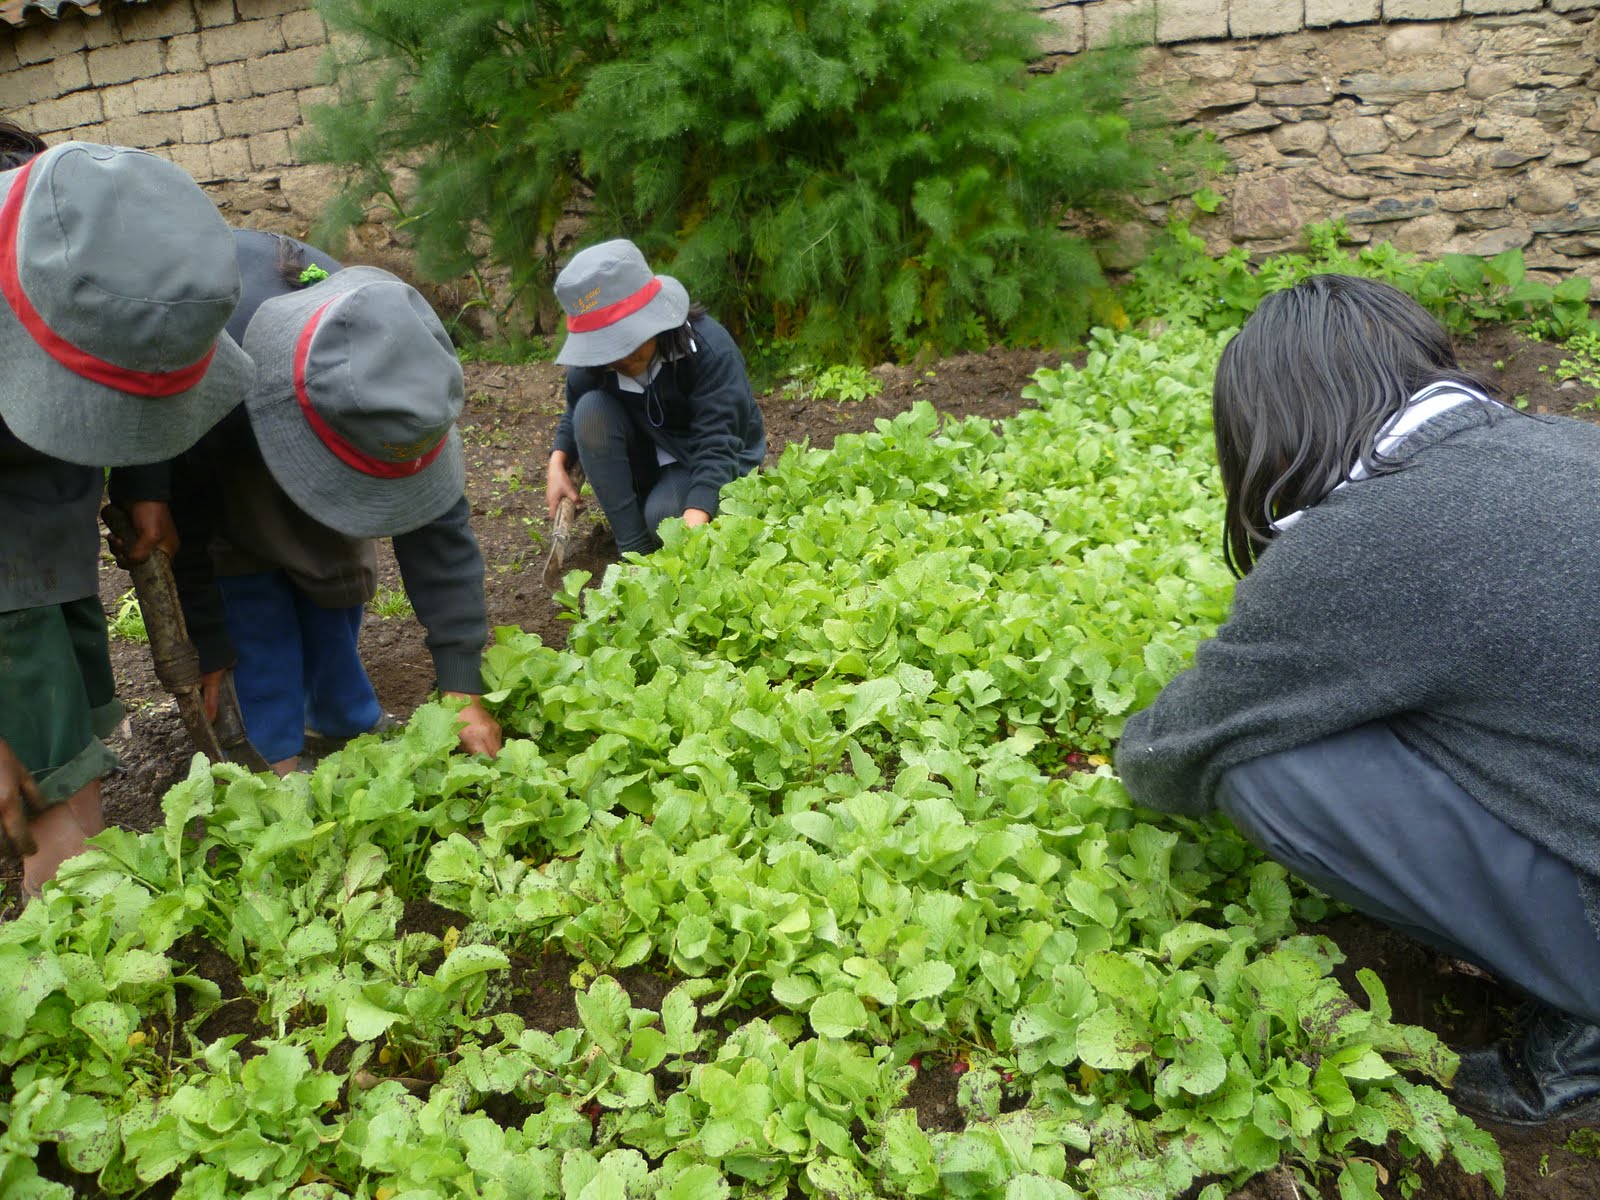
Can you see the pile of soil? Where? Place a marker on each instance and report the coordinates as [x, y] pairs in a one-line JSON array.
[[507, 429]]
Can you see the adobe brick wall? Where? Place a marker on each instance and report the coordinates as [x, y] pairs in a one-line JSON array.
[[219, 86], [1436, 124]]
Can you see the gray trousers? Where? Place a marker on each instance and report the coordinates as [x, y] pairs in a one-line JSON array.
[[1371, 822], [619, 458]]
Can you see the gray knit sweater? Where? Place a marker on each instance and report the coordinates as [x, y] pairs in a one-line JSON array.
[[1457, 599]]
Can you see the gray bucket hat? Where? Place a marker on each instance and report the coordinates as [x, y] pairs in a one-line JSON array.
[[356, 401], [614, 304], [116, 277]]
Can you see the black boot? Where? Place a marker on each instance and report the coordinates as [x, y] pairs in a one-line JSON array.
[[1553, 1074]]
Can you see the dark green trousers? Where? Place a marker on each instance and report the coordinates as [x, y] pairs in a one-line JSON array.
[[57, 698]]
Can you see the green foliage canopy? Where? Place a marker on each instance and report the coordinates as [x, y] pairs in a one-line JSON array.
[[854, 176]]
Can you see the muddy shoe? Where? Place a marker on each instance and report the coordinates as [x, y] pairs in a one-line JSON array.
[[1552, 1074], [319, 745]]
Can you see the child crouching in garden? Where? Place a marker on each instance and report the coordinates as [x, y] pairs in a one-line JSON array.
[[659, 410], [1404, 706]]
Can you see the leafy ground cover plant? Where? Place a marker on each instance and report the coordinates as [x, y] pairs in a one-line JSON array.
[[841, 382], [390, 603], [823, 768], [1180, 280], [1581, 362], [129, 621]]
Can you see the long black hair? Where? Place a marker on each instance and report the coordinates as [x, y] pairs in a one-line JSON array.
[[674, 343], [17, 145], [1303, 391], [673, 349]]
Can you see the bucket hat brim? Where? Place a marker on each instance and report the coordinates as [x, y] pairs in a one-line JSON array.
[[95, 426], [314, 477], [63, 414], [668, 309]]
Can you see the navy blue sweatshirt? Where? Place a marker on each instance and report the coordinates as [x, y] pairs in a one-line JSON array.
[[699, 409]]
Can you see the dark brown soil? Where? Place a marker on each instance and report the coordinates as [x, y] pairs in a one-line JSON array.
[[933, 1093], [424, 916], [236, 1014], [540, 991], [507, 428], [1524, 373]]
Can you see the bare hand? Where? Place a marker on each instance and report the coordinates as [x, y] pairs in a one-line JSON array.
[[19, 797], [211, 692], [558, 485], [695, 516], [480, 733], [153, 529]]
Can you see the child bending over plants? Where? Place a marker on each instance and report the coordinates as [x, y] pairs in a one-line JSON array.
[[347, 435], [120, 277], [659, 411], [1404, 705]]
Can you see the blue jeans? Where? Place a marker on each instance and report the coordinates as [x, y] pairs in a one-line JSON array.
[[298, 666], [1366, 819], [619, 458]]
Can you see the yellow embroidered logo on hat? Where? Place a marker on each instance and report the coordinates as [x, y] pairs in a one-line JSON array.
[[406, 451]]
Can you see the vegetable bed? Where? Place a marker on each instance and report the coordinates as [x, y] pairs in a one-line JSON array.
[[825, 786]]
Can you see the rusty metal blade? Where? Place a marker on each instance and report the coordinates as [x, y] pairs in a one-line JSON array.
[[229, 727], [192, 708], [562, 535], [560, 540]]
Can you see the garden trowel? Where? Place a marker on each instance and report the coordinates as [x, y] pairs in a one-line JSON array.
[[561, 535]]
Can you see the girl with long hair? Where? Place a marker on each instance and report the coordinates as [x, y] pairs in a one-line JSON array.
[[1403, 707]]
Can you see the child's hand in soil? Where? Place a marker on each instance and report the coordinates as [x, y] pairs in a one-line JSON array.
[[480, 733]]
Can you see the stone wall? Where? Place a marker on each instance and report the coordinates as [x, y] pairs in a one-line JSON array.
[[1080, 23], [1449, 125], [1437, 124], [219, 86]]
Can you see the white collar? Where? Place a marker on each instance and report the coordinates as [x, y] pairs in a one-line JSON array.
[[636, 384], [1425, 405]]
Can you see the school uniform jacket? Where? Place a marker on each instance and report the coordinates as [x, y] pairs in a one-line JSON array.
[[698, 408], [234, 519]]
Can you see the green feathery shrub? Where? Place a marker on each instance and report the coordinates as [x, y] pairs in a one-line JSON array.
[[858, 176]]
